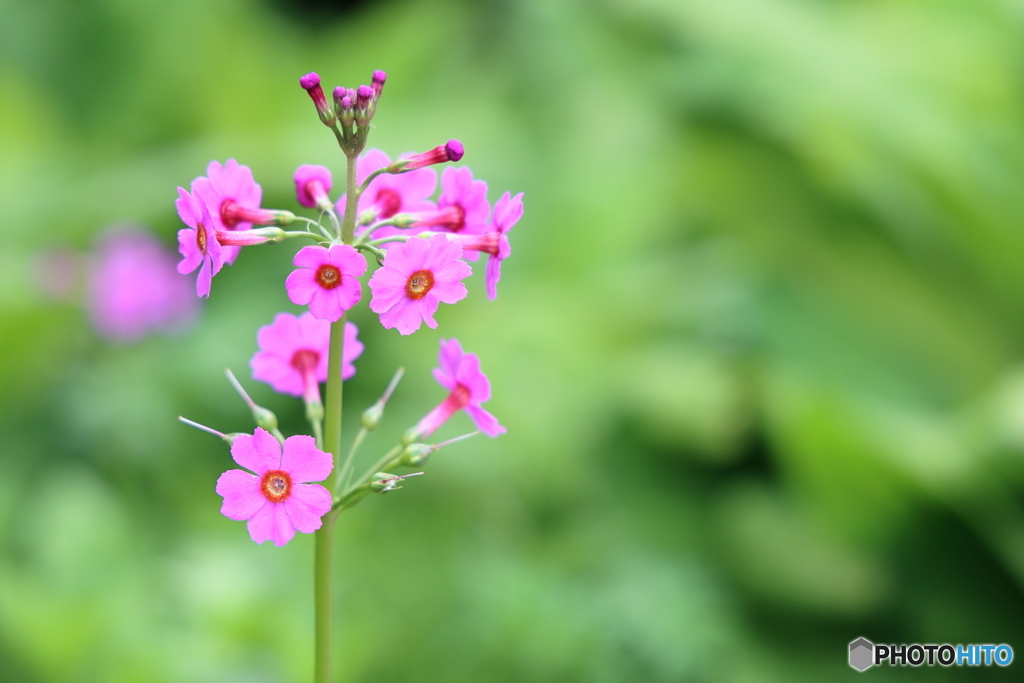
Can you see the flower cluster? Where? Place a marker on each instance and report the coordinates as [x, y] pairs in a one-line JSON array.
[[420, 243]]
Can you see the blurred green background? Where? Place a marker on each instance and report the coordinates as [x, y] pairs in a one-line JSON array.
[[759, 348]]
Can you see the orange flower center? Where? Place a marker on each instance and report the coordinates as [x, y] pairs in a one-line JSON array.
[[276, 485], [418, 284], [328, 276]]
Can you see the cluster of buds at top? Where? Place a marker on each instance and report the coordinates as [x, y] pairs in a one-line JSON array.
[[352, 111]]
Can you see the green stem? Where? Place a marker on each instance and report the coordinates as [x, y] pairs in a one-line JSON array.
[[323, 587], [348, 223]]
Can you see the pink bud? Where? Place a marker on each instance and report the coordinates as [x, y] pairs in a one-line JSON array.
[[450, 151], [311, 84], [378, 83]]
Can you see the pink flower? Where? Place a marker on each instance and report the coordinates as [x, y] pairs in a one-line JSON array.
[[326, 280], [198, 246], [462, 207], [389, 194], [293, 354], [507, 213], [277, 500], [233, 198], [312, 183], [460, 374], [416, 277], [133, 289]]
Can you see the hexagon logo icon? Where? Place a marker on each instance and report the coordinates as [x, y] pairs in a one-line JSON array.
[[862, 654]]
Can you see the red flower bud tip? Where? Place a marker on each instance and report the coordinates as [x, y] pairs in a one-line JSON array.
[[310, 80]]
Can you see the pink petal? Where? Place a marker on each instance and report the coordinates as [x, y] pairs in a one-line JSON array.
[[325, 304], [307, 504], [312, 257], [493, 275], [241, 493], [348, 259], [470, 376], [271, 523], [304, 461], [277, 372], [187, 247], [204, 279], [259, 452], [448, 292], [301, 286], [485, 422], [450, 357]]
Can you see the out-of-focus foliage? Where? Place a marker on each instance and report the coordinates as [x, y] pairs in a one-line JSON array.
[[759, 347]]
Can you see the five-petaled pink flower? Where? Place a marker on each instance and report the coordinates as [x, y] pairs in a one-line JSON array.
[[326, 280], [416, 277], [278, 500], [460, 374], [293, 355], [233, 197], [198, 243]]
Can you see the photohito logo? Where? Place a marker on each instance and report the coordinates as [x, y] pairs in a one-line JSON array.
[[864, 654]]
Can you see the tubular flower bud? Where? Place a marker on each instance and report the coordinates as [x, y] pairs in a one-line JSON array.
[[450, 151], [311, 84], [379, 77]]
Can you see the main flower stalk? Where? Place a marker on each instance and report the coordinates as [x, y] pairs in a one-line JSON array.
[[323, 572]]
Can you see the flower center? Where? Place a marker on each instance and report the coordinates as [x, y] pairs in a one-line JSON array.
[[305, 360], [201, 237], [418, 284], [328, 276], [460, 218], [388, 203], [228, 216], [460, 396], [276, 485]]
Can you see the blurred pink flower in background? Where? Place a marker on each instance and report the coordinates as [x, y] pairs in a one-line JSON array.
[[134, 288]]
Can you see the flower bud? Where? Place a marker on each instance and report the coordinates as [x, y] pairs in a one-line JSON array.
[[378, 83], [372, 416], [264, 417], [311, 84], [416, 454], [450, 151]]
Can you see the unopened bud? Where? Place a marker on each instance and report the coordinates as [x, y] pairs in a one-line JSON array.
[[311, 84], [264, 418], [450, 151], [379, 77], [416, 454], [372, 416]]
